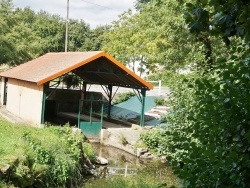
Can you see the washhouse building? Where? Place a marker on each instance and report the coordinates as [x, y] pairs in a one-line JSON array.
[[38, 89]]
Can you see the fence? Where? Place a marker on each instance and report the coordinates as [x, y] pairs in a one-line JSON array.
[[122, 171]]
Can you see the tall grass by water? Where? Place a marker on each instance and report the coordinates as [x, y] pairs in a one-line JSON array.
[[154, 175], [48, 157]]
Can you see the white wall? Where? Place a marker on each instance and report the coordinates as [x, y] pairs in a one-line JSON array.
[[2, 91], [24, 99]]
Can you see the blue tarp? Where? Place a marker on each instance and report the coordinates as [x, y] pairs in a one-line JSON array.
[[132, 108]]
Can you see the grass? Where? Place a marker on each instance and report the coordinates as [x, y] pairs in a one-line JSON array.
[[48, 157], [11, 138], [121, 97], [155, 175]]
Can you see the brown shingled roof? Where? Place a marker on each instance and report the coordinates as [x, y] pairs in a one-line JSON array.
[[95, 67]]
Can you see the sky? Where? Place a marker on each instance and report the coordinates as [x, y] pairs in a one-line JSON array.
[[93, 12]]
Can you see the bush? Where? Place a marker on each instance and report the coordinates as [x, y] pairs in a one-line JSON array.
[[121, 97], [160, 101], [209, 128], [155, 140]]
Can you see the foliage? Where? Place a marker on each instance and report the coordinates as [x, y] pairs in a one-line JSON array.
[[50, 28], [70, 80], [25, 34], [119, 41], [152, 176], [208, 126], [152, 139], [159, 101], [214, 125], [121, 97], [123, 140], [224, 18], [93, 42], [209, 123], [154, 39], [18, 43], [51, 159]]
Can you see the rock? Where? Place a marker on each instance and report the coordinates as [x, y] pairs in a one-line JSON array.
[[147, 156], [141, 151], [23, 176], [8, 164], [4, 168], [103, 171], [101, 161]]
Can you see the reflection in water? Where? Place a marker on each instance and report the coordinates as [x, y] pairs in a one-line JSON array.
[[120, 162], [152, 174]]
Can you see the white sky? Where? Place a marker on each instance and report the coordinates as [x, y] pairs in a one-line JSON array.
[[87, 10]]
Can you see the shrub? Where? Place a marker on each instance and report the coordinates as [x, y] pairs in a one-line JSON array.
[[48, 157], [208, 129], [121, 97], [155, 140], [160, 101]]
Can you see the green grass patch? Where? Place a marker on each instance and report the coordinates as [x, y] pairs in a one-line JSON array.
[[48, 157], [159, 101], [121, 97]]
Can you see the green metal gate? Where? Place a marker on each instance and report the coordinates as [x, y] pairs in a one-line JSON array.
[[90, 117]]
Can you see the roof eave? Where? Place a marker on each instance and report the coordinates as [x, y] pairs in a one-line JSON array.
[[119, 64]]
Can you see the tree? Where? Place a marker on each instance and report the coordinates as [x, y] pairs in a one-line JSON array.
[[96, 38], [82, 38], [18, 43], [118, 41], [208, 135], [79, 32], [226, 18], [51, 30], [158, 38], [26, 34], [140, 3]]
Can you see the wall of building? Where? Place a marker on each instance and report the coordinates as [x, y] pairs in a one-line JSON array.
[[2, 91], [24, 99]]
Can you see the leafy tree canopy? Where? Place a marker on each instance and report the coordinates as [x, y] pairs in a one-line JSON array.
[[208, 134], [25, 34]]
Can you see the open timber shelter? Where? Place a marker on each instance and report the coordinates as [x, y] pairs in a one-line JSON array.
[[39, 89]]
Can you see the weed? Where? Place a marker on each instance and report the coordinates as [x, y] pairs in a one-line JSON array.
[[121, 97], [123, 140], [160, 101], [154, 175]]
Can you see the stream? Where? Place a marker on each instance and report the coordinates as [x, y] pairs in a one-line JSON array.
[[120, 162]]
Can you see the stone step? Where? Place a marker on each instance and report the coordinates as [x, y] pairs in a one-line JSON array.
[[157, 111], [153, 114]]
